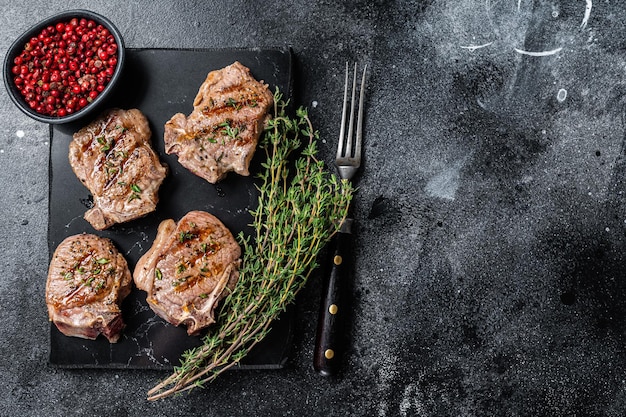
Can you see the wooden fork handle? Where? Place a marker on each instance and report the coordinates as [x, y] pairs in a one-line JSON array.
[[330, 341]]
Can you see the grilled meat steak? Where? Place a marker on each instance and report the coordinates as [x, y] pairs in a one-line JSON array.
[[191, 265], [221, 133], [113, 158], [87, 280]]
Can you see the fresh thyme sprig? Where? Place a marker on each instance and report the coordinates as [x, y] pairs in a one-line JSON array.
[[299, 209]]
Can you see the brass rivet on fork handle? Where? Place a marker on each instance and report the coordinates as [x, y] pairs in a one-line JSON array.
[[329, 340]]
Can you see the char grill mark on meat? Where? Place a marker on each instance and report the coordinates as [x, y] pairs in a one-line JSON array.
[[113, 158], [87, 281], [190, 267], [221, 133]]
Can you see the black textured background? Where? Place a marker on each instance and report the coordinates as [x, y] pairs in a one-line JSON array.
[[490, 276]]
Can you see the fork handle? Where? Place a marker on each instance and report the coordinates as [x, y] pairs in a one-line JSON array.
[[330, 339]]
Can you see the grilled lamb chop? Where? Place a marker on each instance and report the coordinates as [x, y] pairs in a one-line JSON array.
[[113, 158], [189, 269], [87, 281], [221, 133]]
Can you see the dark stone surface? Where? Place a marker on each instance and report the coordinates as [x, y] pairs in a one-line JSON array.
[[490, 245]]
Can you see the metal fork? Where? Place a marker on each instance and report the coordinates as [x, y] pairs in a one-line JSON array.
[[347, 161], [330, 339]]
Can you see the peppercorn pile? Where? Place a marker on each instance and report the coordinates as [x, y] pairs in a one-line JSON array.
[[66, 66]]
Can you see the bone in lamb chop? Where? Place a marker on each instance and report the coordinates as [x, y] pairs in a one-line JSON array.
[[114, 159], [87, 280], [221, 133], [190, 267]]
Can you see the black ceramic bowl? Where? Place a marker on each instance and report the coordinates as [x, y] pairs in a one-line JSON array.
[[18, 46]]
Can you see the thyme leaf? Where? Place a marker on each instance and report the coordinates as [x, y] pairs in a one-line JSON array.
[[185, 236], [136, 192]]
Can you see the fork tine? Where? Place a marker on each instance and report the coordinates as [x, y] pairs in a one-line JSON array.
[[359, 123], [348, 152], [344, 111]]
